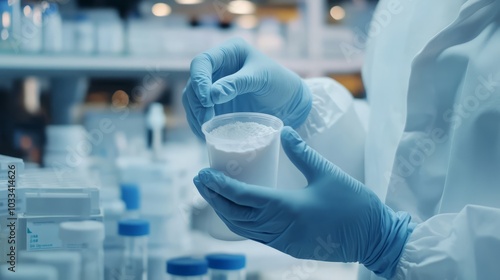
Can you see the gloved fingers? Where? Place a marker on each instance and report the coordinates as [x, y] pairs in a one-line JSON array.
[[192, 120], [196, 113], [248, 232], [222, 205], [216, 63], [306, 159], [246, 80], [248, 218], [236, 191]]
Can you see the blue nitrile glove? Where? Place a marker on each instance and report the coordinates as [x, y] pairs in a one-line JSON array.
[[235, 77], [335, 218]]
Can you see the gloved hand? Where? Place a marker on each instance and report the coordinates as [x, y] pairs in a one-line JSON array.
[[335, 218], [235, 77]]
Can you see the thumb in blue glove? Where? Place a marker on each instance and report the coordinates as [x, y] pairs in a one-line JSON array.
[[335, 218]]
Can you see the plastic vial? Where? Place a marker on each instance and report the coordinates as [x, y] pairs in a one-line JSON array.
[[131, 196], [226, 266], [87, 237], [83, 34], [31, 28], [52, 29], [134, 264], [156, 121], [187, 268]]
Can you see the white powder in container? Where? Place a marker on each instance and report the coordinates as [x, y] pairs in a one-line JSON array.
[[247, 151]]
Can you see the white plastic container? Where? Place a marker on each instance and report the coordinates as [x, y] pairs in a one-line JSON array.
[[109, 30], [243, 155], [31, 28], [67, 147], [86, 237], [134, 261], [29, 272], [187, 268], [226, 266], [68, 36], [84, 34], [52, 29], [67, 264]]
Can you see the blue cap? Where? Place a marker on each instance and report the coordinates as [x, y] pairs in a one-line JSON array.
[[136, 227], [226, 261], [131, 196], [187, 266], [79, 17]]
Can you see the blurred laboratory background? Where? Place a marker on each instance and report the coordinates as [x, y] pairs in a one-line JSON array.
[[92, 118]]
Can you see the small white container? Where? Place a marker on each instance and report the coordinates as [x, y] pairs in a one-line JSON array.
[[52, 29], [252, 159], [31, 29], [68, 264], [86, 237], [84, 34], [67, 146]]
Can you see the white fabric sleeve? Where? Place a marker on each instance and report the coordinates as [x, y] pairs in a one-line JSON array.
[[334, 127], [454, 246], [330, 102]]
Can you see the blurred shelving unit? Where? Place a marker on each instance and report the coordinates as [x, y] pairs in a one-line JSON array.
[[69, 74], [130, 66]]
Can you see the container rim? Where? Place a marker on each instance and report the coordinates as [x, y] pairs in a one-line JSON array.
[[270, 118]]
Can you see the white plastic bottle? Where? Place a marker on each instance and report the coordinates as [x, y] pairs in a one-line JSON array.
[[31, 28], [84, 33], [66, 263], [134, 263], [226, 266], [52, 29], [156, 121], [187, 268], [86, 237]]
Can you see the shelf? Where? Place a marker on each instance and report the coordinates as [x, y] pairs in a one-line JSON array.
[[98, 66]]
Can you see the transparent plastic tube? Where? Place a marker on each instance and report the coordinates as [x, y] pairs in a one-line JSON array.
[[134, 264], [219, 274], [226, 266]]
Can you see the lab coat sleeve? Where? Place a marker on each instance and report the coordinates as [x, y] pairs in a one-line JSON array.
[[334, 126], [454, 246]]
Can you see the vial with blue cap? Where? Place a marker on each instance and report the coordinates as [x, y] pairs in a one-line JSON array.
[[226, 266], [187, 268], [134, 264], [131, 196]]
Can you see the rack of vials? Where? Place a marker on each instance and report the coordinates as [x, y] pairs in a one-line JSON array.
[[57, 226]]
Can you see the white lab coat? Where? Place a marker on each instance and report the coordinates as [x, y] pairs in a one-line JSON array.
[[432, 75]]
